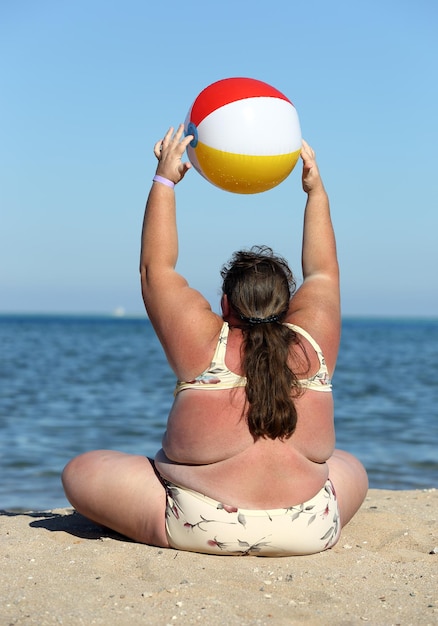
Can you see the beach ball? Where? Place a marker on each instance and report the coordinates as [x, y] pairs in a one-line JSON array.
[[247, 136]]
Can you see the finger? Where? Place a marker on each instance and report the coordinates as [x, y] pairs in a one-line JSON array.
[[179, 132], [306, 148], [157, 149], [308, 157], [181, 144], [167, 137], [185, 168], [305, 155], [185, 142]]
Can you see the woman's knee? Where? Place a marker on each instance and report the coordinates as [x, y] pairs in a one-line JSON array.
[[120, 491], [77, 474]]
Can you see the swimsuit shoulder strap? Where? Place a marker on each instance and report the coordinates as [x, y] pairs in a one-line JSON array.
[[221, 347], [315, 345]]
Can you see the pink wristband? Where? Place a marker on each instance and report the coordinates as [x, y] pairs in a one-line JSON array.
[[164, 181]]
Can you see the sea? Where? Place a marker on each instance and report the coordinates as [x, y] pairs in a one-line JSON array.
[[69, 384]]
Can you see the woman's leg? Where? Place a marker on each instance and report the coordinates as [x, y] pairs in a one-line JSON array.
[[119, 491], [350, 481]]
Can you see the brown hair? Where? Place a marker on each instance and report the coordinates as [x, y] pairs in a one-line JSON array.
[[259, 286]]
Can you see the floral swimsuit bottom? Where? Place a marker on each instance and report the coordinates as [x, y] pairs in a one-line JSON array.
[[197, 523]]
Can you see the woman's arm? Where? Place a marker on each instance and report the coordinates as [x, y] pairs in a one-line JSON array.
[[181, 316], [159, 244], [316, 304], [319, 256]]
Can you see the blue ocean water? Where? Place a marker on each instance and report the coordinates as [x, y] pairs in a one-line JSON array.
[[71, 384]]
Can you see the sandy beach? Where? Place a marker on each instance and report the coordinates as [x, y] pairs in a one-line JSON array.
[[59, 568]]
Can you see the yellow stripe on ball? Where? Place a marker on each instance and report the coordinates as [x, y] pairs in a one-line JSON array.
[[243, 173]]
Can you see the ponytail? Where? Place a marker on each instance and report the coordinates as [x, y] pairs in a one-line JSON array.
[[259, 286]]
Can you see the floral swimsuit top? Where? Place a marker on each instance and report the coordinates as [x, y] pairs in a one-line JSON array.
[[218, 376]]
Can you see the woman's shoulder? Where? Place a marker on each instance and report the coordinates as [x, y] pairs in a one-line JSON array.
[[191, 343], [321, 332]]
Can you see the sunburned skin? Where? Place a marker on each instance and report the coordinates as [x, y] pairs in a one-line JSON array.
[[208, 455]]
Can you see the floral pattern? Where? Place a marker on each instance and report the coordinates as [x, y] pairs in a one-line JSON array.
[[197, 523]]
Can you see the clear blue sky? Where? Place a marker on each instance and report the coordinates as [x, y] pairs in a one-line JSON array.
[[87, 87]]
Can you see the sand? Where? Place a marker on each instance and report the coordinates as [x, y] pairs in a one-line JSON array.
[[59, 568]]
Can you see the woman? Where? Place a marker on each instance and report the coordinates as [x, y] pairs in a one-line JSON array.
[[248, 464]]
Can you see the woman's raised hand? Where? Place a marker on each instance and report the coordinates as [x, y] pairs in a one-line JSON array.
[[169, 151], [311, 178]]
